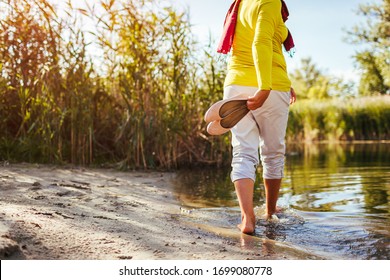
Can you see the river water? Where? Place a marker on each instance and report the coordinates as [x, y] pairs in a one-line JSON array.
[[335, 202]]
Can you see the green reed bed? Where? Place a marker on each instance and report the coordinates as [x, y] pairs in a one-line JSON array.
[[360, 118], [117, 82]]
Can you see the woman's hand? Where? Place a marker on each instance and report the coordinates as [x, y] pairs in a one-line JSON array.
[[293, 96], [256, 101]]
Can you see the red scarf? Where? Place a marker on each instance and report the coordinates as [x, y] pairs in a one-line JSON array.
[[229, 26], [289, 42]]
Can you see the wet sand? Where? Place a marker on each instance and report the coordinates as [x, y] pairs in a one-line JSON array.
[[52, 212]]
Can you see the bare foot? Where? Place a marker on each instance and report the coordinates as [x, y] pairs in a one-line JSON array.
[[269, 214], [272, 217], [247, 225]]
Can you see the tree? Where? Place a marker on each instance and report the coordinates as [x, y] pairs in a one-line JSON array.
[[311, 82], [374, 60]]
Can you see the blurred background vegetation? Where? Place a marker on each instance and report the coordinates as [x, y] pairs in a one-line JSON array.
[[124, 83]]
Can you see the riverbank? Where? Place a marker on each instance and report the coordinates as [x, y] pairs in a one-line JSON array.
[[51, 212]]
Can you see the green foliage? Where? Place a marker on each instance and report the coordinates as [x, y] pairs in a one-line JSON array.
[[136, 99], [374, 61], [366, 118], [373, 80], [312, 83]]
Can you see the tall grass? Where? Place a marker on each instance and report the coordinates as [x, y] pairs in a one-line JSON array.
[[364, 118], [140, 104]]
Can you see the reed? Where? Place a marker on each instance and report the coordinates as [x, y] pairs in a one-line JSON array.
[[139, 104], [363, 118]]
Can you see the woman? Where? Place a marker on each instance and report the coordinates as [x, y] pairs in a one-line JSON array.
[[257, 68]]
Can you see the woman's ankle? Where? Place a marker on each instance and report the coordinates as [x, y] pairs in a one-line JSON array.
[[248, 223]]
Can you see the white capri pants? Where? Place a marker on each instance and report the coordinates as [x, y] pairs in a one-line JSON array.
[[263, 128]]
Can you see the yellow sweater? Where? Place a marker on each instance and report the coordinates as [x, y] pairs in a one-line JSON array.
[[257, 57]]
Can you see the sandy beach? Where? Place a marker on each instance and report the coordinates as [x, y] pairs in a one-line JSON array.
[[51, 212]]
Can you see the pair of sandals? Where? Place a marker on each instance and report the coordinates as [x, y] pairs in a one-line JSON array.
[[225, 114]]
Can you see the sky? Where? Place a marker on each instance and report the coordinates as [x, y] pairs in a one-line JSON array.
[[318, 29]]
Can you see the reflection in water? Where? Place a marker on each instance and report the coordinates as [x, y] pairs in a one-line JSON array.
[[335, 200], [266, 247]]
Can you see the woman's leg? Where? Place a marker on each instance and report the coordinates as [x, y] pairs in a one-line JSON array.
[[244, 190], [272, 187], [245, 143], [272, 120]]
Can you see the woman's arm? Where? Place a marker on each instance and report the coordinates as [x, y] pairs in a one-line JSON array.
[[262, 47]]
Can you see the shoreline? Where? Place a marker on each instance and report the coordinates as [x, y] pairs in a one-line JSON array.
[[57, 213]]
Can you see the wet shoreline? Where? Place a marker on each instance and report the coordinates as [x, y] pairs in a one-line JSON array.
[[51, 212]]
